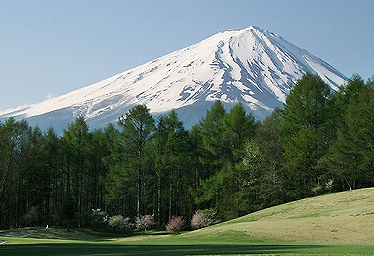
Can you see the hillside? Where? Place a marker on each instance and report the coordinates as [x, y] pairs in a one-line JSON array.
[[341, 218]]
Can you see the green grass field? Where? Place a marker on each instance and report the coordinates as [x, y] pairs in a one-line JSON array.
[[334, 224]]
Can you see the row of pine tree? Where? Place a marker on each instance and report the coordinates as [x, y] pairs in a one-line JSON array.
[[320, 142]]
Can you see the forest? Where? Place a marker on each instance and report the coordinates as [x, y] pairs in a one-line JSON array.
[[321, 141]]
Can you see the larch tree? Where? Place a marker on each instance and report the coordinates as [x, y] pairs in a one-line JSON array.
[[351, 157], [172, 167], [76, 148], [303, 129], [137, 129]]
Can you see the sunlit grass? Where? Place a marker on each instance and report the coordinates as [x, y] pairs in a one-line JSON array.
[[336, 224], [342, 218]]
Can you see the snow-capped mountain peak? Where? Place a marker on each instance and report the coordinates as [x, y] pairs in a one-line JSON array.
[[252, 66]]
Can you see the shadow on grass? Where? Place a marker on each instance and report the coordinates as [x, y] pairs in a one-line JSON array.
[[77, 234], [99, 249]]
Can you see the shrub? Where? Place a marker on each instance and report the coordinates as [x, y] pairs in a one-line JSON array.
[[144, 222], [119, 223], [98, 218], [32, 216], [203, 219], [175, 225]]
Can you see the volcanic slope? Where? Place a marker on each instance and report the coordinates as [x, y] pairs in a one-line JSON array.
[[252, 66]]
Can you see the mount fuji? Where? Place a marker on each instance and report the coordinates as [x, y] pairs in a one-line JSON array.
[[252, 66]]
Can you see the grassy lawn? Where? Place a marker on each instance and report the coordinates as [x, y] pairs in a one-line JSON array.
[[70, 247], [341, 218], [335, 224]]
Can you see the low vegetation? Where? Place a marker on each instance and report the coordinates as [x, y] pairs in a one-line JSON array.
[[333, 224]]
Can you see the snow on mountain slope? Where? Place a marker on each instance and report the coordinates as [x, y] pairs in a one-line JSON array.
[[252, 66]]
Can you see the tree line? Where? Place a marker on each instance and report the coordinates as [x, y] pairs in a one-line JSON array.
[[320, 141]]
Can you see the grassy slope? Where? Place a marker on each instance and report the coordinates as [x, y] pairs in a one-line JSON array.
[[304, 227], [341, 218]]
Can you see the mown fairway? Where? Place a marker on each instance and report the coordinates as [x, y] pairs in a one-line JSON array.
[[341, 218], [335, 224], [30, 246]]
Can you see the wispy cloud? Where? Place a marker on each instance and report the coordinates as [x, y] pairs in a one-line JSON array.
[[50, 96]]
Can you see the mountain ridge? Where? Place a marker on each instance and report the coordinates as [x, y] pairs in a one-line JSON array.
[[253, 66]]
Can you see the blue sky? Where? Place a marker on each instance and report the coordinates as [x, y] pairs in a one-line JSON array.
[[49, 48]]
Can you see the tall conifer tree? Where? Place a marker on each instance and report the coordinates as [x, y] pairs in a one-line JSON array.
[[303, 129], [137, 129]]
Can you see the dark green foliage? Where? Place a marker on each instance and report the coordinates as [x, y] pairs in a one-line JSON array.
[[304, 127], [172, 168], [306, 106], [23, 183], [75, 142], [224, 136], [134, 156], [69, 212], [351, 157], [228, 162], [272, 186], [211, 129]]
